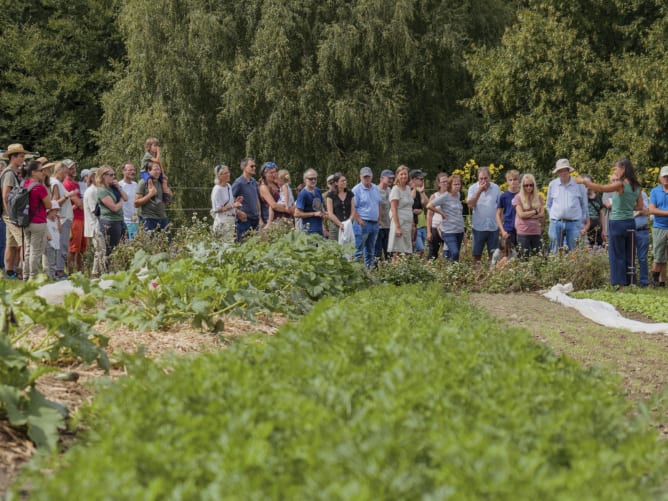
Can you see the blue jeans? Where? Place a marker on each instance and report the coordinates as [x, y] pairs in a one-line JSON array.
[[620, 250], [155, 224], [453, 242], [3, 242], [365, 242], [420, 239], [482, 238], [244, 226], [642, 247], [381, 242], [113, 232], [560, 231]]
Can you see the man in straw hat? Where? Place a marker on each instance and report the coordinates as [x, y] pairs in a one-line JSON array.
[[16, 155], [567, 204]]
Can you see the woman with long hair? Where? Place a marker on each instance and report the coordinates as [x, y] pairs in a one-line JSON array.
[[224, 205], [529, 214], [434, 219], [110, 198], [401, 214], [35, 232], [340, 206], [449, 206], [627, 197]]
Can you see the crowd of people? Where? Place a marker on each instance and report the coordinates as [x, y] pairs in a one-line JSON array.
[[66, 212], [384, 221], [395, 217]]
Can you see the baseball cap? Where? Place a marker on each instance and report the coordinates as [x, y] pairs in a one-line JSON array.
[[387, 173], [84, 173], [417, 173], [330, 178], [664, 171], [68, 162], [366, 171]]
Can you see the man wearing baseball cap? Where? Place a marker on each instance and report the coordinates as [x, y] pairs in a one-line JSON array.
[[367, 204], [384, 188], [658, 207], [568, 205]]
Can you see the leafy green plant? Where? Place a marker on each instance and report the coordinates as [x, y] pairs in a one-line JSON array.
[[392, 393], [653, 303], [284, 272], [65, 333]]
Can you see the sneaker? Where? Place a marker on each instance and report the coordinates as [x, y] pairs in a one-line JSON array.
[[60, 275], [11, 275]]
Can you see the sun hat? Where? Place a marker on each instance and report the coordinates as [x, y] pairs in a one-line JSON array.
[[563, 163], [417, 173], [13, 149], [664, 171], [42, 160], [387, 173], [366, 171]]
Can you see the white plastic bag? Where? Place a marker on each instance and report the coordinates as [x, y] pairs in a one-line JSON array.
[[347, 235]]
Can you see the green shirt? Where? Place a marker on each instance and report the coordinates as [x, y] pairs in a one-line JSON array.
[[155, 207], [622, 205], [105, 212]]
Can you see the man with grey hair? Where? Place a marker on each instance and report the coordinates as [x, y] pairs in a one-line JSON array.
[[568, 206], [367, 205], [483, 198]]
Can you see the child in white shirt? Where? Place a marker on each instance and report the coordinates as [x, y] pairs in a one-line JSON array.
[[53, 227]]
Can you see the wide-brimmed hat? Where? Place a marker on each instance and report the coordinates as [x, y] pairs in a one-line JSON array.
[[42, 160], [562, 164], [13, 149]]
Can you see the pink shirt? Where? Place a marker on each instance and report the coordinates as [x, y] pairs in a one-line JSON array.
[[73, 186], [527, 226], [37, 209]]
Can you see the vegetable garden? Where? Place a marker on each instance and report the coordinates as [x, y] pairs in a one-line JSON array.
[[371, 390]]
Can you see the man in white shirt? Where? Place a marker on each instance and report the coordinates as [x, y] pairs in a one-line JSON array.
[[129, 186], [482, 199]]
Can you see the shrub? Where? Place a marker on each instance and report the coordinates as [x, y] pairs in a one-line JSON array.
[[393, 393]]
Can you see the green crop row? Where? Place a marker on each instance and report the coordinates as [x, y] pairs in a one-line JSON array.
[[653, 303], [391, 393]]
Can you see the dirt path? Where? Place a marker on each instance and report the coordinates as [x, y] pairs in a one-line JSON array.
[[640, 359]]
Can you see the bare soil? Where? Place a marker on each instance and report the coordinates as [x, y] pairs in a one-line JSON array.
[[639, 359]]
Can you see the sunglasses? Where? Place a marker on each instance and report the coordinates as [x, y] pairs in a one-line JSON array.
[[528, 185], [311, 178], [109, 174]]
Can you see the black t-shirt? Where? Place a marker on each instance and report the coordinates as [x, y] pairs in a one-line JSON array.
[[341, 208]]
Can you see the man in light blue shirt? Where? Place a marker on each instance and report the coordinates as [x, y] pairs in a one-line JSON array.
[[567, 204], [367, 205], [483, 199]]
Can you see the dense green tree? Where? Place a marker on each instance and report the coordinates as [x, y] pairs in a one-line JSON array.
[[588, 86], [333, 85], [55, 57]]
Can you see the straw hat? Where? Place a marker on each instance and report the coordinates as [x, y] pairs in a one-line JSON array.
[[13, 149]]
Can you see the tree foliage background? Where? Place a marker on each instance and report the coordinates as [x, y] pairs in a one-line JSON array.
[[335, 85]]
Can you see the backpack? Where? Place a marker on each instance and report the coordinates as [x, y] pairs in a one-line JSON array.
[[18, 203]]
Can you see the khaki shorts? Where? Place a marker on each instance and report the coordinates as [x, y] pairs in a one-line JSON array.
[[659, 236], [13, 233]]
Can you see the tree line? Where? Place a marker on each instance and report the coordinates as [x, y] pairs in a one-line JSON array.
[[335, 85]]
